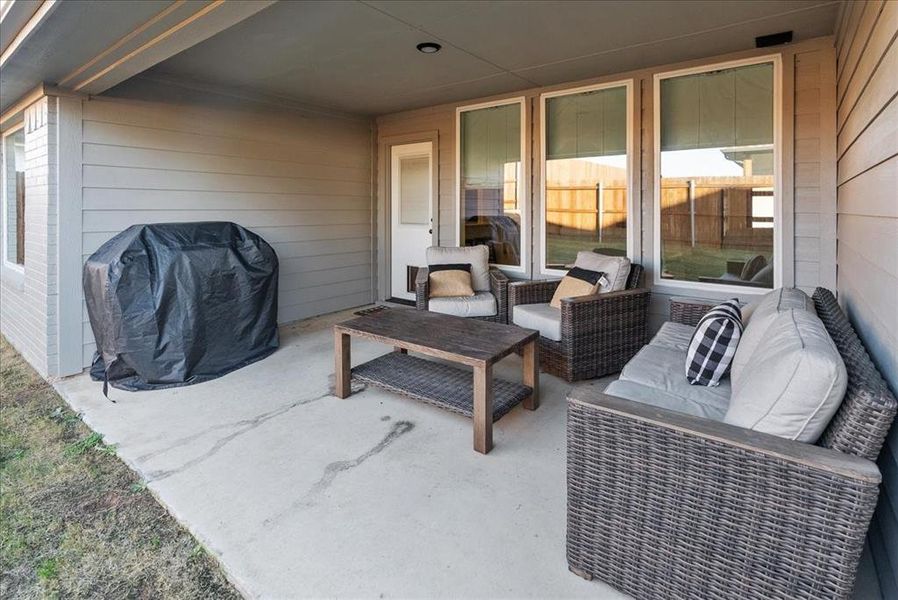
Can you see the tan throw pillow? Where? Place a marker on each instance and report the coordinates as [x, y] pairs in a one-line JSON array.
[[577, 282], [447, 281]]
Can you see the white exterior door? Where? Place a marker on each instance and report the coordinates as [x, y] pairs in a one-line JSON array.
[[411, 198]]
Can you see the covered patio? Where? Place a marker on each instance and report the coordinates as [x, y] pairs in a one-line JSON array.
[[299, 493]]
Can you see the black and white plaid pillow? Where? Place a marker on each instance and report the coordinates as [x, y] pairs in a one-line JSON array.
[[713, 344]]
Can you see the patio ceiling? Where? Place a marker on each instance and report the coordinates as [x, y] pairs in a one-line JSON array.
[[360, 57]]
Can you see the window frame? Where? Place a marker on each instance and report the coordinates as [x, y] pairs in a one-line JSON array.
[[632, 200], [778, 155], [4, 237], [522, 187]]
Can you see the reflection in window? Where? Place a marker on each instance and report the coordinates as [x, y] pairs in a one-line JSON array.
[[717, 176], [14, 196], [490, 172], [586, 175]]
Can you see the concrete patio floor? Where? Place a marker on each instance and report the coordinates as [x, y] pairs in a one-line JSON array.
[[300, 494]]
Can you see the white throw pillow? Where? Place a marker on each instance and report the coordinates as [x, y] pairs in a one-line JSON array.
[[615, 268], [794, 382]]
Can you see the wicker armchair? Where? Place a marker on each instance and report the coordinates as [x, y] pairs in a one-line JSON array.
[[667, 505], [599, 333], [498, 287]]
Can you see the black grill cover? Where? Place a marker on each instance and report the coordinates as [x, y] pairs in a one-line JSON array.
[[174, 304]]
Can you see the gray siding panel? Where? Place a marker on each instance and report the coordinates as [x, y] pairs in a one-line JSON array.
[[304, 183], [867, 122]]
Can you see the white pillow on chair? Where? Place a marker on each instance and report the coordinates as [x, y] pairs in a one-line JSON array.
[[615, 268]]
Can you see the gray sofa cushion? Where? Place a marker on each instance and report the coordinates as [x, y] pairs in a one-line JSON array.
[[793, 382], [542, 317], [761, 316], [481, 304], [655, 397], [476, 256], [675, 336], [615, 268], [661, 368]]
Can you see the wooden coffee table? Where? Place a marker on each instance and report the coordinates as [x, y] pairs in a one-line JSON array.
[[477, 344]]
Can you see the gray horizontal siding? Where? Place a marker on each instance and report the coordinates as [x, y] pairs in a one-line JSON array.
[[867, 122], [302, 183]]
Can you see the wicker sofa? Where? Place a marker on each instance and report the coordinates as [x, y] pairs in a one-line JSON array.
[[663, 504], [599, 333]]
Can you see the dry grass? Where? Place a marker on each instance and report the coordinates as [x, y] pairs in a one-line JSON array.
[[75, 522]]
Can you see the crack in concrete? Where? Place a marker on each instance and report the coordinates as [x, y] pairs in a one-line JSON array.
[[333, 469], [245, 424]]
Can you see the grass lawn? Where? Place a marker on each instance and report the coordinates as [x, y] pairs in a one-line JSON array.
[[691, 263], [75, 522]]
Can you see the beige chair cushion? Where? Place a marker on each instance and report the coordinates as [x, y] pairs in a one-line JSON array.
[[577, 282], [760, 316], [481, 304], [447, 281], [794, 380], [542, 317], [476, 256], [615, 268]]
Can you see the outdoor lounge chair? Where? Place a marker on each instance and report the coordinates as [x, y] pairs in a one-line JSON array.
[[597, 334], [666, 504], [490, 285]]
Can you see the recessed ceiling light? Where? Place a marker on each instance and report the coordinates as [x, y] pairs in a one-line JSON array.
[[428, 47]]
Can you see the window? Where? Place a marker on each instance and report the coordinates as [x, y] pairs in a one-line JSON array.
[[491, 182], [14, 197], [717, 183], [585, 173]]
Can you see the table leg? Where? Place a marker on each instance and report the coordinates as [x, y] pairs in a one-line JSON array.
[[342, 365], [483, 408], [531, 374]]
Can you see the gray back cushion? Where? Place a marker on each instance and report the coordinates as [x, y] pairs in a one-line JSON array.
[[615, 268], [758, 316], [794, 380], [476, 256]]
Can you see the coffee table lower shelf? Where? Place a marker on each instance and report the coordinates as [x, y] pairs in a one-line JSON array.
[[437, 383]]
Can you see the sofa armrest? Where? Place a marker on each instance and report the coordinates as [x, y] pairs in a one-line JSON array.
[[531, 292], [773, 447], [722, 511], [422, 288], [499, 287]]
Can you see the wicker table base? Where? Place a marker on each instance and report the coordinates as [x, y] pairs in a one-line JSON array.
[[437, 383]]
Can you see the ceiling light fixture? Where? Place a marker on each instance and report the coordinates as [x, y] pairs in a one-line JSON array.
[[428, 47]]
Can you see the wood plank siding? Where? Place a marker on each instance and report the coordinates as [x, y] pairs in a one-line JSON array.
[[302, 181], [867, 148], [809, 174]]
